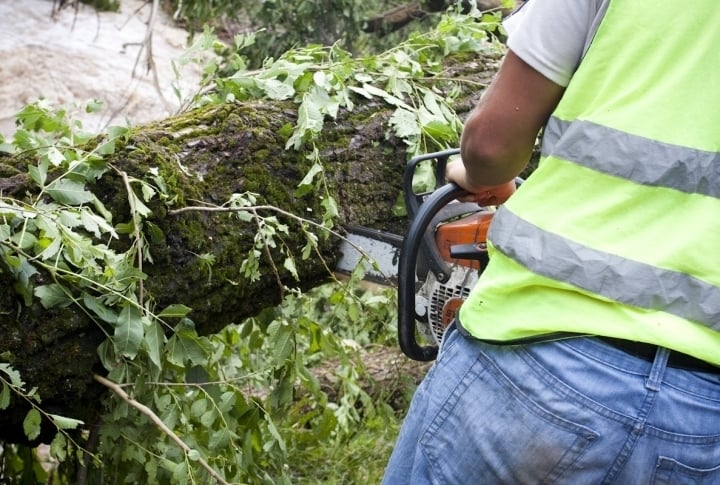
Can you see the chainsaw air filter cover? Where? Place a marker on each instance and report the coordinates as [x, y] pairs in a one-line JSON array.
[[437, 303]]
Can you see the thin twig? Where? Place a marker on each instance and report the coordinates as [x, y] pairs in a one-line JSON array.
[[146, 45], [151, 58], [91, 445], [253, 209], [158, 422], [136, 234]]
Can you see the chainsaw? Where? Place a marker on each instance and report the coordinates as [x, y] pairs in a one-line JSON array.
[[438, 260]]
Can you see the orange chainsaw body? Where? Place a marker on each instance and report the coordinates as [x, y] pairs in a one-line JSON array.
[[471, 229], [468, 230]]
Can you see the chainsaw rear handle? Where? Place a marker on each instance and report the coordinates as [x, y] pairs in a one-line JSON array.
[[409, 251]]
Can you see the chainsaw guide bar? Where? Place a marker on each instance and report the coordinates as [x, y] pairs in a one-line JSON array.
[[378, 251]]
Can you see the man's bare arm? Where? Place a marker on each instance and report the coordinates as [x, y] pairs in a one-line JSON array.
[[500, 133]]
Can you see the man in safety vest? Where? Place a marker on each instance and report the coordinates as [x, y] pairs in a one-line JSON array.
[[588, 352]]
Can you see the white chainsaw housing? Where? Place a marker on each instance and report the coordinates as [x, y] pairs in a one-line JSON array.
[[433, 296]]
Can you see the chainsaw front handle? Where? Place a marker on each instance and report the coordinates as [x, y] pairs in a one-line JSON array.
[[431, 256], [413, 200], [407, 263]]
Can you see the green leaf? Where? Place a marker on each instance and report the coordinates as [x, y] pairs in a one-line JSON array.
[[362, 92], [405, 123], [5, 232], [55, 156], [320, 79], [198, 407], [387, 97], [15, 379], [49, 246], [129, 332], [138, 206], [106, 148], [58, 447], [276, 90], [275, 433], [107, 355], [116, 131], [440, 131], [69, 218], [125, 227], [99, 308], [63, 422], [219, 439], [4, 396], [24, 240], [311, 244], [39, 173], [23, 272], [310, 121], [285, 130], [96, 224], [70, 192], [102, 210], [154, 232], [227, 401], [208, 418], [148, 192], [331, 208], [154, 342], [175, 311], [281, 339], [289, 264], [324, 102], [306, 184], [31, 424], [52, 296], [185, 345], [180, 473], [93, 106], [7, 148]]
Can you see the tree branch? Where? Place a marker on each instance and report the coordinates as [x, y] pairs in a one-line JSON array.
[[159, 423]]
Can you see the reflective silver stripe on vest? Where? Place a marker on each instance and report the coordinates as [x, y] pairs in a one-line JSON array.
[[619, 279], [633, 157]]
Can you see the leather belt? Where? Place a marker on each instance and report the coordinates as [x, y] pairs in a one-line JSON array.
[[646, 352]]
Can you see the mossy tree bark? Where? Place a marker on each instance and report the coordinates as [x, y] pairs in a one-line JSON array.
[[205, 156]]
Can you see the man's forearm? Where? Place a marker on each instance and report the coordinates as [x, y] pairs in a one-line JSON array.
[[500, 133]]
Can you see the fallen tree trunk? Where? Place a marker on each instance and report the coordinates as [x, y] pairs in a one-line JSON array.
[[398, 17], [205, 156]]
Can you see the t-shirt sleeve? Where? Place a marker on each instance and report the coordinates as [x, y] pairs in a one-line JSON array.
[[553, 35]]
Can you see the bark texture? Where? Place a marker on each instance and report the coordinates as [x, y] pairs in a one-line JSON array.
[[205, 156]]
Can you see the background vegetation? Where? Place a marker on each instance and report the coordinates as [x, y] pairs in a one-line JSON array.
[[286, 396], [282, 25]]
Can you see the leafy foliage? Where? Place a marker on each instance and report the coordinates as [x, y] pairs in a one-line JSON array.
[[322, 80], [239, 405]]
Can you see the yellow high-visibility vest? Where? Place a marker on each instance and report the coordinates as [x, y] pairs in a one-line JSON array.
[[617, 233]]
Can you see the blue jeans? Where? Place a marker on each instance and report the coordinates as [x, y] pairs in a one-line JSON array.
[[576, 411]]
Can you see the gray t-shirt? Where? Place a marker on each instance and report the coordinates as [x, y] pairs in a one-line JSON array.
[[552, 36]]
